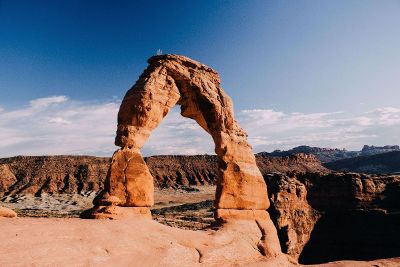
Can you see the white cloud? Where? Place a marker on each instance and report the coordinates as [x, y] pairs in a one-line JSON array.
[[59, 125], [389, 116], [46, 101], [59, 120], [336, 129]]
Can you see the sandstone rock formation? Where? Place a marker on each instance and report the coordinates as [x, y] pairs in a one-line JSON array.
[[299, 163], [293, 216], [7, 213], [131, 242], [37, 175], [74, 242], [170, 80], [24, 175], [336, 216]]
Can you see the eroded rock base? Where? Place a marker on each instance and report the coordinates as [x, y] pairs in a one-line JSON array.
[[225, 215], [116, 212], [7, 213], [249, 221]]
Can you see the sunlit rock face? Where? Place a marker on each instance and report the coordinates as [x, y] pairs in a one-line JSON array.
[[171, 80], [7, 213]]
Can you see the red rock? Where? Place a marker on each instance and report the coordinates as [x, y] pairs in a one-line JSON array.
[[7, 213], [170, 80]]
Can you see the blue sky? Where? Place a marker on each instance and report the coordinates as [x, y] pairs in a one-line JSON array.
[[321, 73]]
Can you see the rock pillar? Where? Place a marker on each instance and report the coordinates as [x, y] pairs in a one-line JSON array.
[[169, 80]]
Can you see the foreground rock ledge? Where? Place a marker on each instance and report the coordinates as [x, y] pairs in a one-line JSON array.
[[136, 242]]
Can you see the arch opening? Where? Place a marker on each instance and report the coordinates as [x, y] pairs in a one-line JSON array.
[[172, 80], [178, 135]]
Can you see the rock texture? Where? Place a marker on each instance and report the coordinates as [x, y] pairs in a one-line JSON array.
[[294, 217], [336, 216], [358, 213], [137, 242], [37, 175], [299, 163], [131, 242], [7, 213], [24, 175], [170, 80]]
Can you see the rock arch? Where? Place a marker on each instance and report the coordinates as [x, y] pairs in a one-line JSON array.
[[171, 80]]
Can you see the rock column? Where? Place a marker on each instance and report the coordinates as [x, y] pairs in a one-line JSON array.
[[169, 80]]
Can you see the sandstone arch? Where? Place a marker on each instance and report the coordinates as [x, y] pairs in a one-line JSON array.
[[171, 80]]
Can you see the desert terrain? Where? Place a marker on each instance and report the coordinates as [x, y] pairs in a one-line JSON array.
[[306, 201], [231, 209]]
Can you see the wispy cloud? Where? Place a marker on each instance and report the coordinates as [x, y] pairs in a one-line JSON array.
[[59, 125], [389, 116], [336, 129], [47, 101]]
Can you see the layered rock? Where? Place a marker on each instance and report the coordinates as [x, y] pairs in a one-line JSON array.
[[294, 217], [36, 175], [24, 175], [336, 216], [299, 163]]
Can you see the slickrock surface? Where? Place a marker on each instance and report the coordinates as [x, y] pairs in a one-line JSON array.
[[137, 242], [131, 242]]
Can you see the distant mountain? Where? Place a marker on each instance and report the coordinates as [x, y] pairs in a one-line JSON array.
[[388, 162], [373, 150], [326, 155]]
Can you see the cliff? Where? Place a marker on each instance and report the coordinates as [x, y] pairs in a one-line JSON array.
[[83, 174], [320, 216], [336, 216]]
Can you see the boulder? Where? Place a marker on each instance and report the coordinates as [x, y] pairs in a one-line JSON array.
[[7, 213]]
